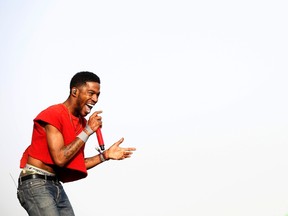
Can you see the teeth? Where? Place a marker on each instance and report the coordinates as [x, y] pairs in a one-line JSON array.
[[90, 105]]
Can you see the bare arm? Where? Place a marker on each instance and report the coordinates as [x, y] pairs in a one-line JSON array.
[[115, 152], [60, 153]]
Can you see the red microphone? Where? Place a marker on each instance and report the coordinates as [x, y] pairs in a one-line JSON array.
[[100, 139]]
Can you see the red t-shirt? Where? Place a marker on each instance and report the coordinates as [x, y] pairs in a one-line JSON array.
[[69, 125]]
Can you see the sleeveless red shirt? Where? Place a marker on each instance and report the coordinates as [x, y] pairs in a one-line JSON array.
[[59, 117]]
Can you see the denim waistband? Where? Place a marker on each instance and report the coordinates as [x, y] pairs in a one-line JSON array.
[[37, 176]]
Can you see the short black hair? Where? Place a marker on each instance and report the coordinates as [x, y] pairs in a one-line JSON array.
[[82, 77]]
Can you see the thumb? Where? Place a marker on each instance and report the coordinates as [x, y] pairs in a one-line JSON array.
[[119, 141]]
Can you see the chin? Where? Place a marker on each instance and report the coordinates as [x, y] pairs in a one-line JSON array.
[[85, 113]]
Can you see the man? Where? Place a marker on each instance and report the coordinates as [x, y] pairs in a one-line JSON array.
[[56, 152]]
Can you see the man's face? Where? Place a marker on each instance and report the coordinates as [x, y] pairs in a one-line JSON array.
[[87, 97]]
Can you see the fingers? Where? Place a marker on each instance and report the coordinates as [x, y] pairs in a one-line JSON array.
[[130, 149], [126, 154], [118, 153], [96, 113], [96, 116], [95, 120], [119, 141]]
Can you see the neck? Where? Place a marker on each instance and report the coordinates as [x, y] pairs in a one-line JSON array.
[[70, 107]]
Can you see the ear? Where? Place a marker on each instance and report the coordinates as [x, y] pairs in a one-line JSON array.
[[74, 91]]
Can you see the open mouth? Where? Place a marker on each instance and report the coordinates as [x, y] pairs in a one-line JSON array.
[[89, 107]]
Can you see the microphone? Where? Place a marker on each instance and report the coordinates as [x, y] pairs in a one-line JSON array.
[[100, 139]]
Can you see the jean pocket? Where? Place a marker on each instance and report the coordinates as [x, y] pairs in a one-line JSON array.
[[38, 187], [21, 198]]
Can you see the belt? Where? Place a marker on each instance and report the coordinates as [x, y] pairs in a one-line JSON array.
[[37, 176]]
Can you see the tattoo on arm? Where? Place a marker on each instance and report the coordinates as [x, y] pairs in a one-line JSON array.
[[72, 149]]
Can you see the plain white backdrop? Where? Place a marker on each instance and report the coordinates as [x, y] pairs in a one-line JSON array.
[[198, 87]]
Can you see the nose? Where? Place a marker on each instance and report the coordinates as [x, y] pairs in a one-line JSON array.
[[95, 98]]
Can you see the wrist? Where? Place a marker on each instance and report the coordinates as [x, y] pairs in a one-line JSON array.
[[106, 155], [83, 136], [88, 130], [102, 157]]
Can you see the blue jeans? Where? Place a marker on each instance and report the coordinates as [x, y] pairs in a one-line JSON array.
[[44, 197]]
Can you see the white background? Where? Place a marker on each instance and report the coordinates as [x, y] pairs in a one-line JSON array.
[[198, 87]]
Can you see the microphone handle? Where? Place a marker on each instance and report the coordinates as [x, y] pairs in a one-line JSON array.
[[100, 139]]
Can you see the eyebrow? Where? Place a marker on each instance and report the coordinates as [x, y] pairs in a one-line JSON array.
[[94, 92]]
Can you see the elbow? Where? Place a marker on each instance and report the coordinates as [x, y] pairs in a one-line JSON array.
[[60, 162], [60, 158]]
